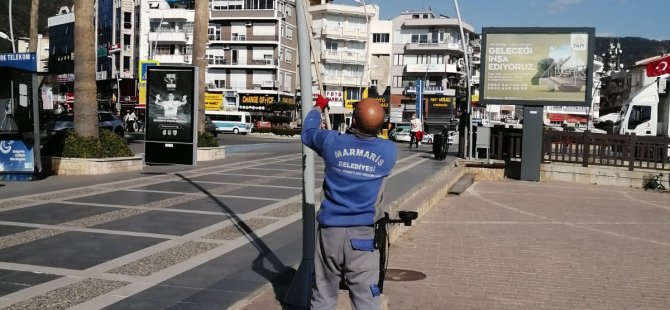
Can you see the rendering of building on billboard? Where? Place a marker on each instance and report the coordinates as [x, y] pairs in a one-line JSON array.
[[537, 66]]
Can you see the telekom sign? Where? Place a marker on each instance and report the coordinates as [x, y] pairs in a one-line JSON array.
[[659, 67]]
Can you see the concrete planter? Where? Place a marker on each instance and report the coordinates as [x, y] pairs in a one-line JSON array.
[[91, 166], [211, 153]]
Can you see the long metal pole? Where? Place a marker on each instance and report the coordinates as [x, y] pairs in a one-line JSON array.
[[468, 145], [300, 289], [11, 27], [367, 46]]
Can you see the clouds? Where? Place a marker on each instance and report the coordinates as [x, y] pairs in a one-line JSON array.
[[560, 6]]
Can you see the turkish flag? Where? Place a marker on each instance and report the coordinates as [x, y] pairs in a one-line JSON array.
[[659, 67]]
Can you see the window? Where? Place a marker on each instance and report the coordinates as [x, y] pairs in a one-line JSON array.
[[353, 94], [399, 60], [289, 33], [380, 38], [289, 11], [416, 16], [331, 45], [374, 82], [420, 38], [289, 57], [639, 115], [281, 55], [397, 81]]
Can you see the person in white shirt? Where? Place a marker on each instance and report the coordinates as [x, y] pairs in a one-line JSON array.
[[170, 106], [130, 120], [415, 129]]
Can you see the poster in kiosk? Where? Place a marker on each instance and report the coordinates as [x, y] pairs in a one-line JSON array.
[[171, 124]]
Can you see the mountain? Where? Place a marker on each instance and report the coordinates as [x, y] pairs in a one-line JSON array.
[[21, 17], [634, 48]]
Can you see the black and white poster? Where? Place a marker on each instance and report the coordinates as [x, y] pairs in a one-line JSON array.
[[170, 104], [171, 119]]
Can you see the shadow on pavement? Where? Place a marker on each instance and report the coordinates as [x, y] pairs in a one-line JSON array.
[[277, 273]]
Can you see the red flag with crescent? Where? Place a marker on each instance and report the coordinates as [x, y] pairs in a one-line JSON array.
[[659, 67]]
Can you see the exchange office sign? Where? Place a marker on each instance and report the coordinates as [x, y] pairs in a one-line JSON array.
[[171, 115]]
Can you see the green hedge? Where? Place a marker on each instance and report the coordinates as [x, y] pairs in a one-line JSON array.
[[206, 139], [261, 130], [69, 144]]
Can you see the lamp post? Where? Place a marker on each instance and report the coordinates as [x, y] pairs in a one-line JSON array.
[[367, 45], [158, 33], [6, 37], [468, 145], [115, 71], [11, 28]]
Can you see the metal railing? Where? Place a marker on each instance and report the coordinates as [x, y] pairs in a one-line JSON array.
[[586, 148]]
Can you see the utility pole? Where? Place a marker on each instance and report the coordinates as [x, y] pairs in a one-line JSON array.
[[468, 145]]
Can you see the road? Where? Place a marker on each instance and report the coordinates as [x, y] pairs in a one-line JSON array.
[[167, 237]]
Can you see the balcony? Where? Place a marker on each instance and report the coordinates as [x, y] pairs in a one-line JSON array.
[[263, 62], [171, 14], [431, 90], [168, 36], [344, 57], [216, 60], [427, 68], [170, 59], [425, 46], [270, 84], [346, 33], [342, 80]]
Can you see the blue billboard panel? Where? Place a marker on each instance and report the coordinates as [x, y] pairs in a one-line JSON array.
[[17, 161], [19, 61]]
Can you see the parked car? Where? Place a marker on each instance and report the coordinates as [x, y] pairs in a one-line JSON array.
[[106, 120], [210, 127], [400, 133], [427, 138]]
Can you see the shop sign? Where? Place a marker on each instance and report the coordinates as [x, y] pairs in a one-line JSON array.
[[286, 100], [213, 101], [257, 99], [440, 105]]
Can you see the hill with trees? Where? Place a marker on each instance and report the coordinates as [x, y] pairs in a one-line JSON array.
[[634, 48], [21, 17]]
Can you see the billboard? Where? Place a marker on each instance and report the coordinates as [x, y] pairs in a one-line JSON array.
[[213, 101], [171, 118], [537, 66]]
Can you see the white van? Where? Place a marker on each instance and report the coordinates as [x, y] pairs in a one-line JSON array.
[[235, 122]]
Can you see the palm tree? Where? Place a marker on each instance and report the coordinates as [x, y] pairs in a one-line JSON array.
[[34, 12], [85, 101], [199, 46]]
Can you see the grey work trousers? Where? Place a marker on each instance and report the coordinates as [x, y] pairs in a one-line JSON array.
[[336, 257]]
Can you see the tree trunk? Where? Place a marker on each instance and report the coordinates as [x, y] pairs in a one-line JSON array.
[[85, 91], [34, 13], [199, 46]]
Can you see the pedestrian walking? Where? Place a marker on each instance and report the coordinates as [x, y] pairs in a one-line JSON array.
[[415, 131], [357, 163], [129, 119]]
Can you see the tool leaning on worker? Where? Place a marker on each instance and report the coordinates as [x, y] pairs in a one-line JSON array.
[[356, 165]]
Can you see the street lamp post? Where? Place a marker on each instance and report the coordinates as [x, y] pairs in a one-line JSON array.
[[158, 33], [367, 46], [11, 28], [115, 71], [468, 144]]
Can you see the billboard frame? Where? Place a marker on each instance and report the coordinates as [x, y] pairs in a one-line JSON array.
[[588, 94], [175, 147]]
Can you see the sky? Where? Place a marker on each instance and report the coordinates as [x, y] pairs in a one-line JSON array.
[[611, 18]]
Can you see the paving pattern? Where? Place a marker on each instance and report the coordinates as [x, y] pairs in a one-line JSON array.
[[200, 238], [522, 245]]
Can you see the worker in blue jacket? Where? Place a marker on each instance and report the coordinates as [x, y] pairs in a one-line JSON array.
[[357, 164]]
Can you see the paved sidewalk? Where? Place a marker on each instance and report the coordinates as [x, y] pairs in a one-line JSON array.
[[522, 245]]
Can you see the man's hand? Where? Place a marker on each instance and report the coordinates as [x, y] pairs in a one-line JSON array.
[[321, 102]]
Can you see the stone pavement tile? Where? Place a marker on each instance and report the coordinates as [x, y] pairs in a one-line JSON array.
[[224, 178], [134, 303], [530, 265], [159, 261], [210, 299], [75, 250], [52, 213], [178, 187], [238, 230], [161, 222], [12, 281], [265, 192], [656, 231], [126, 198], [6, 230], [68, 296], [226, 205]]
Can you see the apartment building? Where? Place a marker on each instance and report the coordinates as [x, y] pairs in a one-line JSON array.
[[342, 42], [116, 59], [428, 47], [253, 54]]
